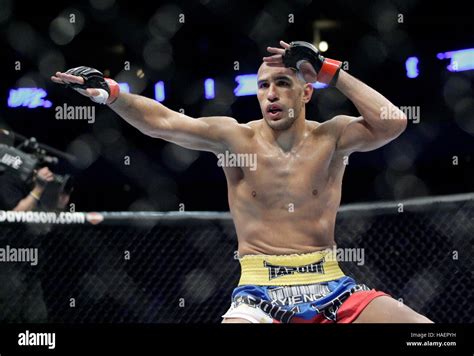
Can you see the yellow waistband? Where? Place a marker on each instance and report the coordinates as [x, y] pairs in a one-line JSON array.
[[270, 270]]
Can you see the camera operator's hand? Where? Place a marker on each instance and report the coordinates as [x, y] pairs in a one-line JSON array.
[[43, 177]]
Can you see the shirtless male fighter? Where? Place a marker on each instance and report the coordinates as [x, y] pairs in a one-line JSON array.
[[284, 210]]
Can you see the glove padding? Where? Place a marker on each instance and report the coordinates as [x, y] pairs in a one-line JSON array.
[[300, 51], [108, 88]]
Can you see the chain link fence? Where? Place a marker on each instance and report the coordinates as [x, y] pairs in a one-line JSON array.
[[182, 267]]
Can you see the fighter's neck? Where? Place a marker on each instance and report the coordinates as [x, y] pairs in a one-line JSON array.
[[288, 139]]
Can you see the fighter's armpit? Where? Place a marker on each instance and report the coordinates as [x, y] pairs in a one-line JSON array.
[[334, 127]]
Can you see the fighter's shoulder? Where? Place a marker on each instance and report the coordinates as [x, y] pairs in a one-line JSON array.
[[251, 127], [219, 120], [229, 125]]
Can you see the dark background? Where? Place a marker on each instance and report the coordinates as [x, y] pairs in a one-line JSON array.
[[215, 35]]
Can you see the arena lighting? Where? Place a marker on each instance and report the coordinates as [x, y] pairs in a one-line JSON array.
[[246, 85], [319, 85], [28, 98], [124, 87], [461, 60], [34, 97], [411, 65], [209, 89], [160, 91], [323, 46]]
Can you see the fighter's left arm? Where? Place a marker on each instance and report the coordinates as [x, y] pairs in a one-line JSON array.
[[380, 121]]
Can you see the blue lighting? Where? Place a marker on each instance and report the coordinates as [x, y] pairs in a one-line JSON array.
[[160, 91], [124, 87], [411, 65], [247, 85], [28, 97], [460, 60], [319, 85], [209, 89]]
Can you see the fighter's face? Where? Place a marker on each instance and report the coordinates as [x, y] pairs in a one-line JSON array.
[[281, 95]]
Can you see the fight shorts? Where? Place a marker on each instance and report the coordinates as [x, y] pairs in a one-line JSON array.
[[308, 288]]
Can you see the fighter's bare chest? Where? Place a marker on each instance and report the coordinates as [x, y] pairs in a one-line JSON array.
[[294, 176]]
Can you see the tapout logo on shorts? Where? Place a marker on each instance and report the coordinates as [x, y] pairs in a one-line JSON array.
[[275, 271]]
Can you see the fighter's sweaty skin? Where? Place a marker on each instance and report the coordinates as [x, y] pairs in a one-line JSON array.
[[289, 203]]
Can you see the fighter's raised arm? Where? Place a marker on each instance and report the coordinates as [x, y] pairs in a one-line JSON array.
[[380, 121], [149, 116], [156, 120]]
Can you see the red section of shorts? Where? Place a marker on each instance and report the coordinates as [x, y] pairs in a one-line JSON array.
[[349, 310], [355, 304]]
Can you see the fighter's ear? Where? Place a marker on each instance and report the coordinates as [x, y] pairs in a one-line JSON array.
[[307, 92]]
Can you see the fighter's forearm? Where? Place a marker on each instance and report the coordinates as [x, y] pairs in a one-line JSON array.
[[370, 103], [145, 114]]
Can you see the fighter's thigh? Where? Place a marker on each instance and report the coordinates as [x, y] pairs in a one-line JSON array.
[[235, 321], [388, 310]]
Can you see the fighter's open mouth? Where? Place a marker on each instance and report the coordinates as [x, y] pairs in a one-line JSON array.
[[274, 109]]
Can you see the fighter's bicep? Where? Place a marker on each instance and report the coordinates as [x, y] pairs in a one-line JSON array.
[[357, 136], [205, 133]]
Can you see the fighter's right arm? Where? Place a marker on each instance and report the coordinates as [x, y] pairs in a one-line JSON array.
[[154, 119]]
